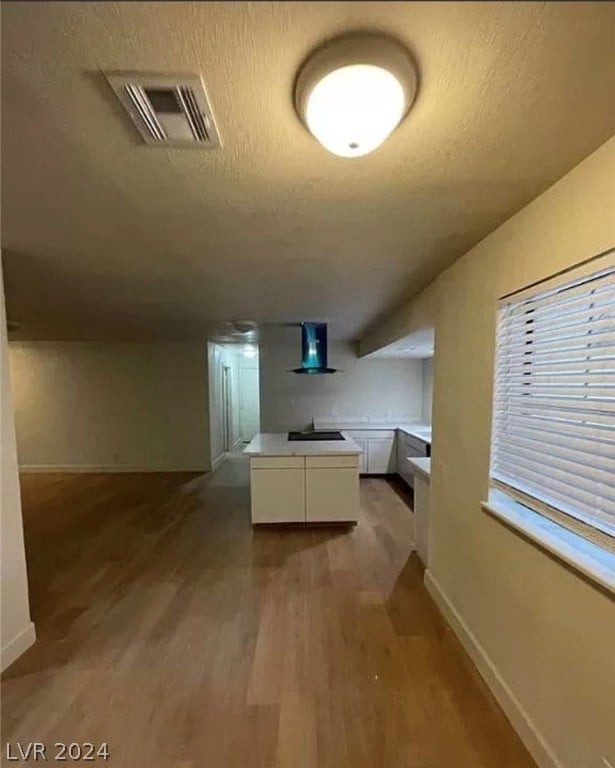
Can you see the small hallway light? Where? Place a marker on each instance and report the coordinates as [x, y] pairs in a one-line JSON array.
[[354, 91], [249, 352]]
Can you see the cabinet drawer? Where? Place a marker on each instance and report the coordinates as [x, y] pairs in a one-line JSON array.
[[277, 462], [331, 462]]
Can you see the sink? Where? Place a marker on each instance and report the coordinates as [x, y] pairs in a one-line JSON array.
[[322, 434]]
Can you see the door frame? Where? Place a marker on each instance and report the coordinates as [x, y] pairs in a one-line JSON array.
[[227, 408]]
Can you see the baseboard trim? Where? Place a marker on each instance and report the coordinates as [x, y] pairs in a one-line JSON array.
[[218, 460], [82, 468], [513, 709], [18, 645]]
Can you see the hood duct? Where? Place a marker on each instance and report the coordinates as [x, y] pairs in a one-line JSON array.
[[314, 349]]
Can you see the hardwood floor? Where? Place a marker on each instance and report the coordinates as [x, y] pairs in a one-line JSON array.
[[170, 629]]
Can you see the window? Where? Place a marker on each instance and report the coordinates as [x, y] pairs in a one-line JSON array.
[[553, 441]]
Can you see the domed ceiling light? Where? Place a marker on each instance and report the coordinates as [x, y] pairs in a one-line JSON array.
[[354, 91]]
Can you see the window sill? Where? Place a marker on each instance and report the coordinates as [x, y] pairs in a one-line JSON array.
[[594, 562]]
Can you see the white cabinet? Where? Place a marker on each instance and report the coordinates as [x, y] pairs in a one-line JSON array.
[[381, 459], [378, 446], [300, 489], [409, 446], [403, 469], [421, 516], [331, 495], [277, 490]]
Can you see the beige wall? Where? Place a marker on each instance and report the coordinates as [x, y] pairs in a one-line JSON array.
[[549, 634], [111, 406], [16, 629], [376, 388]]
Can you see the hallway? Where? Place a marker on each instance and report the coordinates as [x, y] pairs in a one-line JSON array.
[[171, 630]]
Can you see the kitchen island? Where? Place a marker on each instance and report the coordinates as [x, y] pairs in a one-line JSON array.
[[308, 481]]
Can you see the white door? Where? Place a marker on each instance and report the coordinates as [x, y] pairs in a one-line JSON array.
[[249, 403], [227, 405]]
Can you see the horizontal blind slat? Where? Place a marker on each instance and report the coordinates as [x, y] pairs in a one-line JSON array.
[[538, 321], [601, 329], [580, 352], [597, 282], [579, 454], [563, 403], [543, 484], [598, 298], [555, 374], [574, 507], [591, 392], [584, 475], [597, 446], [549, 420]]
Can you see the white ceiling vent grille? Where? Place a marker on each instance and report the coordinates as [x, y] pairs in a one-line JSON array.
[[168, 110]]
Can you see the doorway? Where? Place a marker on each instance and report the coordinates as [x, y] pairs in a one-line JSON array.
[[249, 398], [227, 408], [234, 399]]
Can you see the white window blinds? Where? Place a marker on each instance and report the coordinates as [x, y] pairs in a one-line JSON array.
[[553, 436]]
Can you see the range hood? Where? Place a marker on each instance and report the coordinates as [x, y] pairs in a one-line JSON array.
[[314, 349]]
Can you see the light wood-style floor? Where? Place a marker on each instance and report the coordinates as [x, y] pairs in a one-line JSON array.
[[170, 629]]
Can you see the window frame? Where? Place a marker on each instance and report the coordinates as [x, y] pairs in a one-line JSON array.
[[580, 523]]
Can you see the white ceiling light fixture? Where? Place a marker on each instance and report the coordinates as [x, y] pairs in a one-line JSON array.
[[354, 91], [249, 351]]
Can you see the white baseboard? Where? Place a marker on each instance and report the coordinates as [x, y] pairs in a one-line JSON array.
[[218, 460], [519, 718], [15, 647], [32, 468]]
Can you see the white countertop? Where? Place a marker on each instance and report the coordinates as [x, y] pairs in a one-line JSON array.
[[420, 465], [278, 444], [417, 429], [422, 431]]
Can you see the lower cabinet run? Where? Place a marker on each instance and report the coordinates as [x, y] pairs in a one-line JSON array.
[[304, 489]]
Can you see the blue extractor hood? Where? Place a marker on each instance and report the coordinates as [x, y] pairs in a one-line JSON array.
[[314, 349]]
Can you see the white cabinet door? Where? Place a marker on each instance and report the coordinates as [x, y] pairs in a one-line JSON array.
[[332, 495], [278, 495], [381, 459]]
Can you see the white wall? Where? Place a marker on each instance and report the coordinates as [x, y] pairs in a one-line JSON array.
[[377, 388], [16, 629], [427, 403], [111, 406], [545, 636]]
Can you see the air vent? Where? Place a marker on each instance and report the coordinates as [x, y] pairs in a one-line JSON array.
[[168, 110]]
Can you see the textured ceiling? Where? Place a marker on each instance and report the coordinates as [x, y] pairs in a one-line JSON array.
[[104, 237]]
